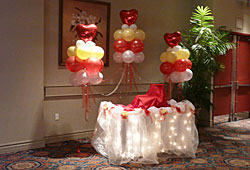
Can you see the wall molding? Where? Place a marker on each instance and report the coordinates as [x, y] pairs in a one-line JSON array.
[[23, 145], [32, 144], [68, 136]]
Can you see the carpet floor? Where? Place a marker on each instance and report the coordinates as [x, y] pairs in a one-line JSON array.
[[224, 146]]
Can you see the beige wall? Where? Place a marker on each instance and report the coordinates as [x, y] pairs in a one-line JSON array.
[[21, 75], [227, 11]]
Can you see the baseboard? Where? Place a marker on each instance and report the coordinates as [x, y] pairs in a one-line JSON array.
[[19, 146], [32, 144], [68, 136]]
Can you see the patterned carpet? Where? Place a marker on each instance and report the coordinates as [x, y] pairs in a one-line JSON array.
[[224, 146]]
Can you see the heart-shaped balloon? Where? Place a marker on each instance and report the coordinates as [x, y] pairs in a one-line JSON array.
[[86, 32], [129, 17], [173, 39]]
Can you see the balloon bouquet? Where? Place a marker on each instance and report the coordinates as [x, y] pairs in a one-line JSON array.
[[85, 62], [128, 45], [175, 63]]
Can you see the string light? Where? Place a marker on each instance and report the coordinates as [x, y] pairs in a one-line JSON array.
[[185, 122], [172, 120], [172, 128]]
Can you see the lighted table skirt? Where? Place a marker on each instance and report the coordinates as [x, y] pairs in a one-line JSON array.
[[124, 136]]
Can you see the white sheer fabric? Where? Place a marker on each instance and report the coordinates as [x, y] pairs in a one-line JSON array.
[[124, 136]]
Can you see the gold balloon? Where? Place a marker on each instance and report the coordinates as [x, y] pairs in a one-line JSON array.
[[171, 56], [183, 54], [140, 34], [118, 34], [128, 34], [163, 57], [97, 52], [84, 52], [71, 51]]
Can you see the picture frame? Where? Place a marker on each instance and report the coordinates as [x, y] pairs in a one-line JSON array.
[[74, 12]]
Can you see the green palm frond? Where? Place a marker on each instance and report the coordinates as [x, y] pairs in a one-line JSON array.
[[205, 44]]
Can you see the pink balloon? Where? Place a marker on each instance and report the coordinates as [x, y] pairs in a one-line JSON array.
[[189, 74], [128, 56], [96, 78], [73, 79], [82, 77], [117, 57], [139, 57]]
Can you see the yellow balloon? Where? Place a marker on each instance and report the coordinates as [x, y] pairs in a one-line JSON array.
[[84, 52], [128, 34], [97, 52], [140, 34], [118, 34], [71, 51], [163, 57], [171, 56], [183, 54]]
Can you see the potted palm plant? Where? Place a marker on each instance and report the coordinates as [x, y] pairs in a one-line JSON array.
[[205, 44]]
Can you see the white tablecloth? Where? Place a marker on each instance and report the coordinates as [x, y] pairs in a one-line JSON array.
[[124, 136]]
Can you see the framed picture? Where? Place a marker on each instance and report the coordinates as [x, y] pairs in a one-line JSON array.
[[74, 12]]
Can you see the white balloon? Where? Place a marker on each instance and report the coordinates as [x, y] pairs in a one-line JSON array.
[[73, 80], [128, 56], [170, 49], [177, 77], [139, 57], [166, 78], [80, 43], [124, 26], [117, 57], [90, 43], [82, 77], [96, 78], [177, 48], [133, 27], [189, 74]]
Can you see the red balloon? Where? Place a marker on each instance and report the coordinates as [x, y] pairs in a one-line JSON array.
[[93, 65], [173, 39], [167, 68], [180, 65], [73, 65], [188, 63], [121, 45], [129, 17], [136, 45], [86, 32]]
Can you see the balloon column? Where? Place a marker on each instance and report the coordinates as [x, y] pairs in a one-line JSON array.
[[128, 44], [175, 63], [85, 62]]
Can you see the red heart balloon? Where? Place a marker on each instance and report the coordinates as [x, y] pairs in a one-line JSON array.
[[129, 17], [173, 39], [86, 32]]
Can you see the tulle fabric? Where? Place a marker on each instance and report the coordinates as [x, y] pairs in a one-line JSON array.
[[145, 131]]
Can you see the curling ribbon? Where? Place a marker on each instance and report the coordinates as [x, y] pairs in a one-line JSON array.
[[169, 90], [85, 99], [128, 78]]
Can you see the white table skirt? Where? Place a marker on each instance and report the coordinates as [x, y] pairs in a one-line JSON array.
[[124, 136]]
